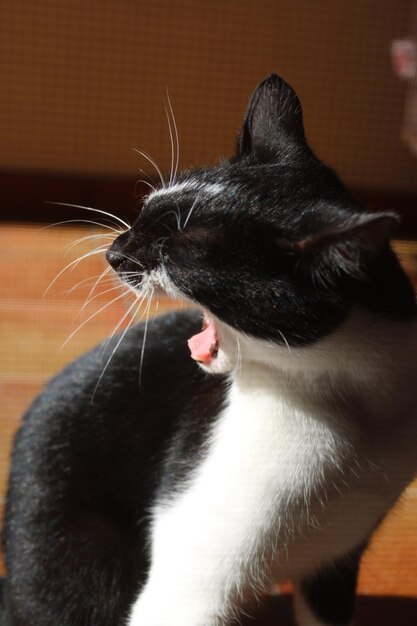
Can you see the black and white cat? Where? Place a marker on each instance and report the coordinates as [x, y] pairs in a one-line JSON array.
[[176, 501]]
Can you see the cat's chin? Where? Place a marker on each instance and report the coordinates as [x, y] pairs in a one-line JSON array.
[[221, 364]]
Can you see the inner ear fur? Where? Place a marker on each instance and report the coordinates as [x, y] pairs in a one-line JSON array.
[[351, 245], [368, 230]]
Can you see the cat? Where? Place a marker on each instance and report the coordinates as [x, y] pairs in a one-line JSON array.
[[179, 489]]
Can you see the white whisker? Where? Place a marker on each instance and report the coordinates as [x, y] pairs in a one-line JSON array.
[[86, 238], [171, 174], [86, 281], [151, 178], [144, 182], [114, 230], [122, 295], [97, 295], [99, 279], [117, 326], [190, 212], [73, 264], [120, 322], [285, 341], [132, 259], [239, 356], [115, 348], [146, 156], [112, 279], [115, 218], [177, 218], [176, 136], [145, 332], [178, 214]]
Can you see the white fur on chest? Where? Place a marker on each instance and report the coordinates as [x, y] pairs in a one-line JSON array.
[[265, 456], [265, 460]]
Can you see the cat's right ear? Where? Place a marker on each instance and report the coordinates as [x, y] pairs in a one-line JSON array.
[[273, 124]]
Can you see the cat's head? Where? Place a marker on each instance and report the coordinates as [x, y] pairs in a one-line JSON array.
[[269, 243]]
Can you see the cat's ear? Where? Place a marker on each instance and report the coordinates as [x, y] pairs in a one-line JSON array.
[[349, 247], [273, 122]]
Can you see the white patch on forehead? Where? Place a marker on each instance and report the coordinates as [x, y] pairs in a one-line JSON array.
[[190, 185]]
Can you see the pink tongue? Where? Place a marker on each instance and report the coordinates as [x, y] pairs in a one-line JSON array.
[[204, 345]]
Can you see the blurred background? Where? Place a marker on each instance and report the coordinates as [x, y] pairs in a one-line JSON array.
[[83, 84]]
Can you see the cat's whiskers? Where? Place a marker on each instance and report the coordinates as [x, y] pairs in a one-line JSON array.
[[178, 212], [99, 279], [115, 218], [98, 295], [177, 217], [144, 182], [177, 158], [285, 341], [110, 280], [132, 260], [77, 242], [160, 242], [82, 221], [105, 237], [171, 174], [74, 264], [90, 280], [80, 326], [145, 332], [116, 346], [151, 178], [151, 160], [190, 212], [239, 356], [138, 300]]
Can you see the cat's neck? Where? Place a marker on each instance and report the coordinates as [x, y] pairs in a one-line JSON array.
[[362, 346], [364, 356]]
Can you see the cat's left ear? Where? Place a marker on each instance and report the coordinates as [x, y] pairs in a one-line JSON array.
[[273, 123], [351, 245]]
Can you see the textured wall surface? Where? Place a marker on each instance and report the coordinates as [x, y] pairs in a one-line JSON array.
[[83, 82]]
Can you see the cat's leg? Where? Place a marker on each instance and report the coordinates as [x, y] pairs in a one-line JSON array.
[[327, 598]]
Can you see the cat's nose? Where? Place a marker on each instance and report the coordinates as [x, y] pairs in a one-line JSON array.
[[114, 257], [116, 253]]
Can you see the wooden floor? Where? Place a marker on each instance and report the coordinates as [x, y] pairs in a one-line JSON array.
[[36, 339]]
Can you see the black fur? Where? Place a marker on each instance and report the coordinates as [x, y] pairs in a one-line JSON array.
[[282, 251], [3, 616], [85, 472], [330, 593]]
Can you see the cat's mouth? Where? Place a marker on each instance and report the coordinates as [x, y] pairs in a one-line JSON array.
[[204, 346]]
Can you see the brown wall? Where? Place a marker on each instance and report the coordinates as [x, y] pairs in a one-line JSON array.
[[83, 81]]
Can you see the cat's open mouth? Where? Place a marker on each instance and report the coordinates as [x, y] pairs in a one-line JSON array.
[[205, 345]]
